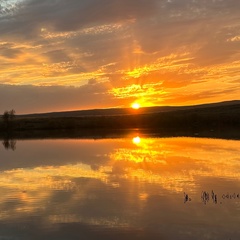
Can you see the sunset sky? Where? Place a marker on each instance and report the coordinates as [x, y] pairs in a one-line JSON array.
[[58, 55]]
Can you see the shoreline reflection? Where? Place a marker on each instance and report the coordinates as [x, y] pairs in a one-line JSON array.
[[9, 144]]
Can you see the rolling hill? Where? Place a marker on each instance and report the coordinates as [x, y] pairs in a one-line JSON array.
[[129, 111], [221, 120]]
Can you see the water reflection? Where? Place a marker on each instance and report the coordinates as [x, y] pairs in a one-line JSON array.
[[9, 144], [136, 140], [133, 188]]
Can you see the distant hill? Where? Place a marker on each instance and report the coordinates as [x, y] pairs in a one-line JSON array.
[[128, 111], [208, 120]]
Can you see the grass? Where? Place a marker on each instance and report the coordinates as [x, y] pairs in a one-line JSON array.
[[216, 119]]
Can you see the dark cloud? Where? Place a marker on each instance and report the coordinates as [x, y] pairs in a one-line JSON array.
[[8, 51], [25, 99], [103, 11], [71, 15], [92, 81], [169, 24], [217, 51], [184, 24], [97, 51], [56, 56]]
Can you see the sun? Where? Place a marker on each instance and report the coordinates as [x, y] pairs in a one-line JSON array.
[[135, 105]]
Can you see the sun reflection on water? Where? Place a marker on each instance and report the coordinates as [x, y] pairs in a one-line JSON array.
[[87, 173], [136, 140]]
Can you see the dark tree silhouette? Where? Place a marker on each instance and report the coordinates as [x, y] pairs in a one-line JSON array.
[[8, 117]]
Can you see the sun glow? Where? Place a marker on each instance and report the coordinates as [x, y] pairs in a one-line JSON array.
[[135, 105], [136, 140]]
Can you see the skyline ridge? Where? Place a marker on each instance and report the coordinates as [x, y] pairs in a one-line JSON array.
[[129, 110]]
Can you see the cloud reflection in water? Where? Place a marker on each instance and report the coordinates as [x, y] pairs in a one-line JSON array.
[[116, 183]]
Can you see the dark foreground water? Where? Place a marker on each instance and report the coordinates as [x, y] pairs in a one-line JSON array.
[[128, 188]]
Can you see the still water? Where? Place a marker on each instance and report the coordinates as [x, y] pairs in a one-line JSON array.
[[122, 188]]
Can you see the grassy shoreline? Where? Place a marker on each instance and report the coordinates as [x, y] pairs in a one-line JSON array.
[[206, 121]]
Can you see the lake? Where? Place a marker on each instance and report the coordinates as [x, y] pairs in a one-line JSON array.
[[134, 187]]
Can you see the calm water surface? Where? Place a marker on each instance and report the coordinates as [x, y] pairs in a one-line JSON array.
[[128, 188]]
